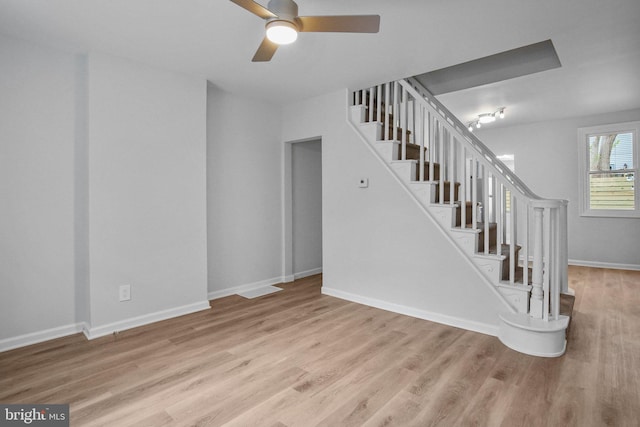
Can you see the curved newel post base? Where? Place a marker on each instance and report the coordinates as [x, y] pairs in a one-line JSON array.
[[531, 336]]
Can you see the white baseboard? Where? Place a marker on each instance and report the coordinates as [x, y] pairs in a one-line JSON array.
[[444, 319], [40, 336], [597, 264], [248, 287], [303, 274], [100, 331]]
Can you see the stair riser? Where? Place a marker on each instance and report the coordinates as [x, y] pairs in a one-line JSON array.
[[436, 172], [447, 192], [468, 215]]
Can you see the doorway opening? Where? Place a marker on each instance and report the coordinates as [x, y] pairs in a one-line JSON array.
[[302, 223]]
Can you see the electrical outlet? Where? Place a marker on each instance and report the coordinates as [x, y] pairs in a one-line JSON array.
[[125, 292]]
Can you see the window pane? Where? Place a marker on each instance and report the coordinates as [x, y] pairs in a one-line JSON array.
[[611, 151], [611, 190]]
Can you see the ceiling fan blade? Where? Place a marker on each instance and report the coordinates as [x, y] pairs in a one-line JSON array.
[[340, 24], [255, 8], [265, 51]]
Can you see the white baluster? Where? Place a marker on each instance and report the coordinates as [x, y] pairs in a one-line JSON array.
[[485, 208], [422, 138], [379, 104], [525, 248], [442, 165], [387, 108], [396, 111], [474, 192], [432, 145], [557, 272], [512, 238], [500, 213], [371, 103], [451, 169], [547, 257], [405, 122], [463, 187], [537, 293]]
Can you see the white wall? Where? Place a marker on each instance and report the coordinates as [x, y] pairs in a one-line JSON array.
[[243, 192], [546, 157], [147, 187], [36, 189], [306, 175], [378, 246]]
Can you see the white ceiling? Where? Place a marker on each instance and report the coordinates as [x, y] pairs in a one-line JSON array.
[[598, 43]]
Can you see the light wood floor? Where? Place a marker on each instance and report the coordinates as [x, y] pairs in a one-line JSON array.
[[298, 358]]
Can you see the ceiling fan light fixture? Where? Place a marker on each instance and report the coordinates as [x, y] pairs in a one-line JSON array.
[[282, 32]]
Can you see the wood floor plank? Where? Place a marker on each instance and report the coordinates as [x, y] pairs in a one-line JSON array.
[[300, 358]]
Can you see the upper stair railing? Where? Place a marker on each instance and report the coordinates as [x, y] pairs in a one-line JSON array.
[[531, 232]]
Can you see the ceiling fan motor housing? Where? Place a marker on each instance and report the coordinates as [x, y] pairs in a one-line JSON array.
[[286, 10]]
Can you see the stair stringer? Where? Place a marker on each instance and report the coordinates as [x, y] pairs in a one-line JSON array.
[[370, 133]]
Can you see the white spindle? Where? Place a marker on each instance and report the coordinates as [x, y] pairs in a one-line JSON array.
[[555, 256], [525, 248], [463, 187], [431, 144], [537, 291], [379, 104], [396, 111], [474, 192], [387, 108], [442, 165], [451, 169], [564, 248], [371, 103], [500, 213], [546, 257], [405, 122], [422, 145], [512, 238], [485, 209]]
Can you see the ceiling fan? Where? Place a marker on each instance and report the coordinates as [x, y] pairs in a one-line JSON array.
[[283, 24]]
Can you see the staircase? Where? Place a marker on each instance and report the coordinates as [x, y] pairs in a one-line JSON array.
[[516, 241]]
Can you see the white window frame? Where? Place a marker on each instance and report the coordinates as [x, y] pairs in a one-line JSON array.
[[583, 155]]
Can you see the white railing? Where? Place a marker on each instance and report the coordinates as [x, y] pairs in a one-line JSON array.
[[530, 232]]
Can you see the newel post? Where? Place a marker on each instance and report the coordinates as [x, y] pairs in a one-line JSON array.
[[537, 294]]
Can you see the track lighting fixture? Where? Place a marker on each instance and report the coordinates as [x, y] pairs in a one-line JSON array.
[[485, 118]]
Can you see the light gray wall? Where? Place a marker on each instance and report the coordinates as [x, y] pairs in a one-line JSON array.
[[147, 187], [244, 212], [36, 188], [377, 243], [546, 157], [306, 173]]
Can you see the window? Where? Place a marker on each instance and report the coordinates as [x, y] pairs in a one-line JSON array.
[[609, 169]]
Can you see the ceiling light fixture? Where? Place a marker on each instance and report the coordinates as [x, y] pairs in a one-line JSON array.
[[485, 118], [282, 32]]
